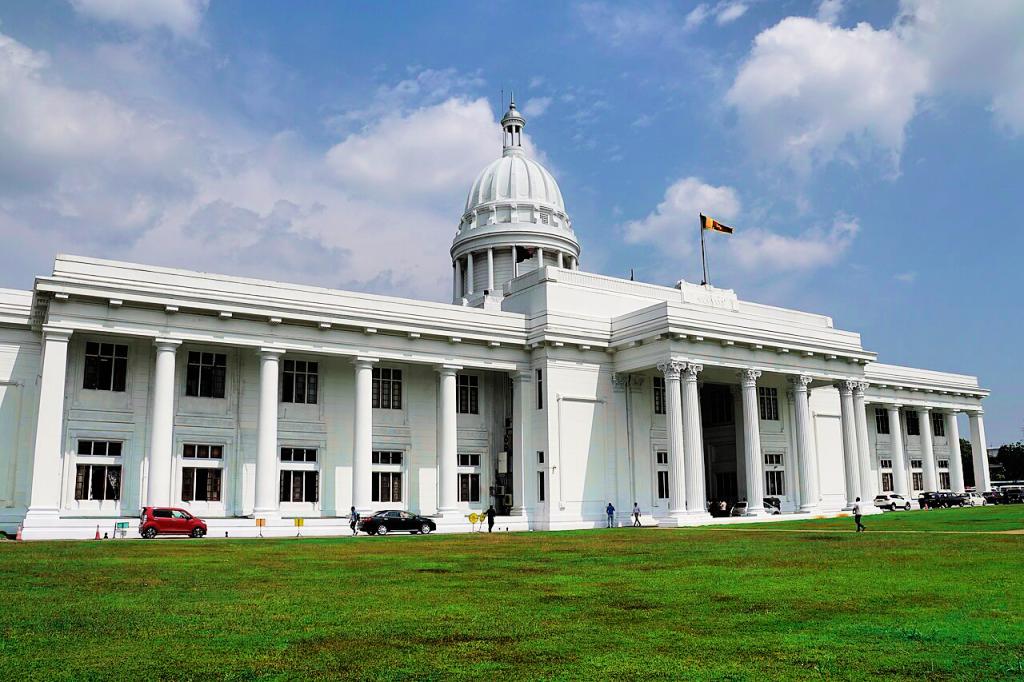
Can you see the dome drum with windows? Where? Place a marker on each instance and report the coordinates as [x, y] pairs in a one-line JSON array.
[[514, 222]]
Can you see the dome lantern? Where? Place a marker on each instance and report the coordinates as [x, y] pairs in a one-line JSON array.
[[513, 123]]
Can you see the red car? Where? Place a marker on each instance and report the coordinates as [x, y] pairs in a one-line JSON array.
[[155, 521]]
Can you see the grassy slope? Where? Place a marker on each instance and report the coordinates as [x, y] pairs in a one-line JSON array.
[[622, 603]]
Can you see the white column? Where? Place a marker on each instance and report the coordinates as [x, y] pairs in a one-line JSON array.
[[924, 420], [752, 442], [161, 425], [867, 480], [560, 261], [979, 451], [469, 273], [267, 502], [522, 457], [362, 434], [447, 440], [458, 279], [850, 451], [805, 445], [515, 265], [956, 464], [674, 420], [44, 500], [574, 263], [490, 270], [899, 464], [696, 499]]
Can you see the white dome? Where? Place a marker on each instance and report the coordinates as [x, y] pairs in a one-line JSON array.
[[517, 179]]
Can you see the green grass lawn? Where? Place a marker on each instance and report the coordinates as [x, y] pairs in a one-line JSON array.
[[701, 603]]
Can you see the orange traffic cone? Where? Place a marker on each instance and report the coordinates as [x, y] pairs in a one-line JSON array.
[[18, 535], [97, 532]]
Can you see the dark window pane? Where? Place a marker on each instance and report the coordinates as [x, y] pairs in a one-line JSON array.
[[99, 448], [85, 447], [187, 476], [300, 388], [313, 367], [219, 376], [375, 486], [120, 351], [91, 373], [107, 349], [287, 387], [92, 348], [192, 380], [216, 452], [312, 486], [97, 483], [81, 482], [286, 454], [297, 487], [120, 374], [311, 389], [114, 449], [213, 485], [289, 365], [220, 360], [385, 488], [285, 485]]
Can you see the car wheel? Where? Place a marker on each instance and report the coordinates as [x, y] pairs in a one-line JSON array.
[[907, 508], [382, 530], [892, 507], [198, 532], [149, 533], [424, 529]]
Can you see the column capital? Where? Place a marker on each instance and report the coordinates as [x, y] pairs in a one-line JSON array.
[[620, 381], [692, 370], [893, 407], [448, 370], [974, 412], [847, 387], [749, 377], [53, 333], [522, 375], [270, 351], [860, 387], [364, 361], [164, 343], [801, 382], [924, 409], [671, 369]]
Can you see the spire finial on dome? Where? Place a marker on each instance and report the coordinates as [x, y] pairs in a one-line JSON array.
[[513, 123]]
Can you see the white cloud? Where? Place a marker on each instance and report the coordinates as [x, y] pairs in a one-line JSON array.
[[729, 12], [761, 250], [696, 17], [673, 222], [180, 17], [906, 277], [536, 106], [810, 92]]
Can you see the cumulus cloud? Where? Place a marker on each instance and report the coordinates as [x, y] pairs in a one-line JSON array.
[[180, 17], [810, 92], [672, 221], [759, 249], [86, 172]]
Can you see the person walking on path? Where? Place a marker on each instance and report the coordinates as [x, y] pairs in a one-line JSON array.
[[490, 518], [353, 521], [610, 510], [856, 516], [636, 515]]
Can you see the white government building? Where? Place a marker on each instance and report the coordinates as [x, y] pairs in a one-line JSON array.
[[543, 389]]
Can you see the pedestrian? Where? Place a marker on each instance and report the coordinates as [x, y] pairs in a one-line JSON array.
[[490, 518], [636, 515], [856, 516], [353, 521], [610, 511]]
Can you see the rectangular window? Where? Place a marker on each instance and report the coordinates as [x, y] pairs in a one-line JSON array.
[[913, 424], [540, 457], [469, 487], [98, 482], [918, 480], [469, 394], [540, 486], [768, 403], [774, 483], [885, 464], [881, 421], [206, 374], [944, 480], [662, 485], [943, 463], [200, 484], [300, 381], [387, 388], [916, 464], [99, 448], [300, 486], [886, 482], [199, 451], [469, 460], [386, 486], [540, 389], [106, 366], [659, 395], [386, 457], [661, 457], [773, 459], [298, 454], [938, 426]]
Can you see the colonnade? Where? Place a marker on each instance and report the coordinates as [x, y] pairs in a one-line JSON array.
[[464, 286]]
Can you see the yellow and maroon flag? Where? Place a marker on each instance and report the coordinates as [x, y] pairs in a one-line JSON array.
[[707, 223]]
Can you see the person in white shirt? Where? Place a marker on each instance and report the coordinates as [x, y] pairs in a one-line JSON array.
[[636, 515], [856, 516]]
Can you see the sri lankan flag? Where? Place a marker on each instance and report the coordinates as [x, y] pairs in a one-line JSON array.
[[707, 223]]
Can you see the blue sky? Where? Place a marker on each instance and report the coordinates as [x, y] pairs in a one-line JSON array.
[[868, 153]]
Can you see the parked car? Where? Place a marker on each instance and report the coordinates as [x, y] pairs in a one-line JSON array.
[[892, 502], [155, 521], [937, 500], [994, 497], [773, 505], [1014, 496], [975, 500], [392, 520]]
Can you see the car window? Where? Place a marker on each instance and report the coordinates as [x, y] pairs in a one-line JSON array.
[[394, 515], [406, 515], [178, 514], [162, 513]]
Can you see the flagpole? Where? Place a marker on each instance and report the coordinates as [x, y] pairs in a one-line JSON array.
[[703, 254]]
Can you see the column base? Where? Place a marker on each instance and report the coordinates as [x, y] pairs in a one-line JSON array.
[[41, 517], [268, 514]]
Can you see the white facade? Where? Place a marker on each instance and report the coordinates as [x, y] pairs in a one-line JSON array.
[[543, 389]]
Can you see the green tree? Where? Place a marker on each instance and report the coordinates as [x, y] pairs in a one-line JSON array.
[[1011, 457], [968, 462]]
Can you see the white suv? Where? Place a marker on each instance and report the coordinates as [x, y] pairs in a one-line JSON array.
[[892, 502], [975, 500]]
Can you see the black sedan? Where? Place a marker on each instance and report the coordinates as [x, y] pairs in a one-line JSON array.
[[394, 520]]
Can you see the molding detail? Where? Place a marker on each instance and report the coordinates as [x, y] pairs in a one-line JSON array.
[[749, 377], [671, 369]]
